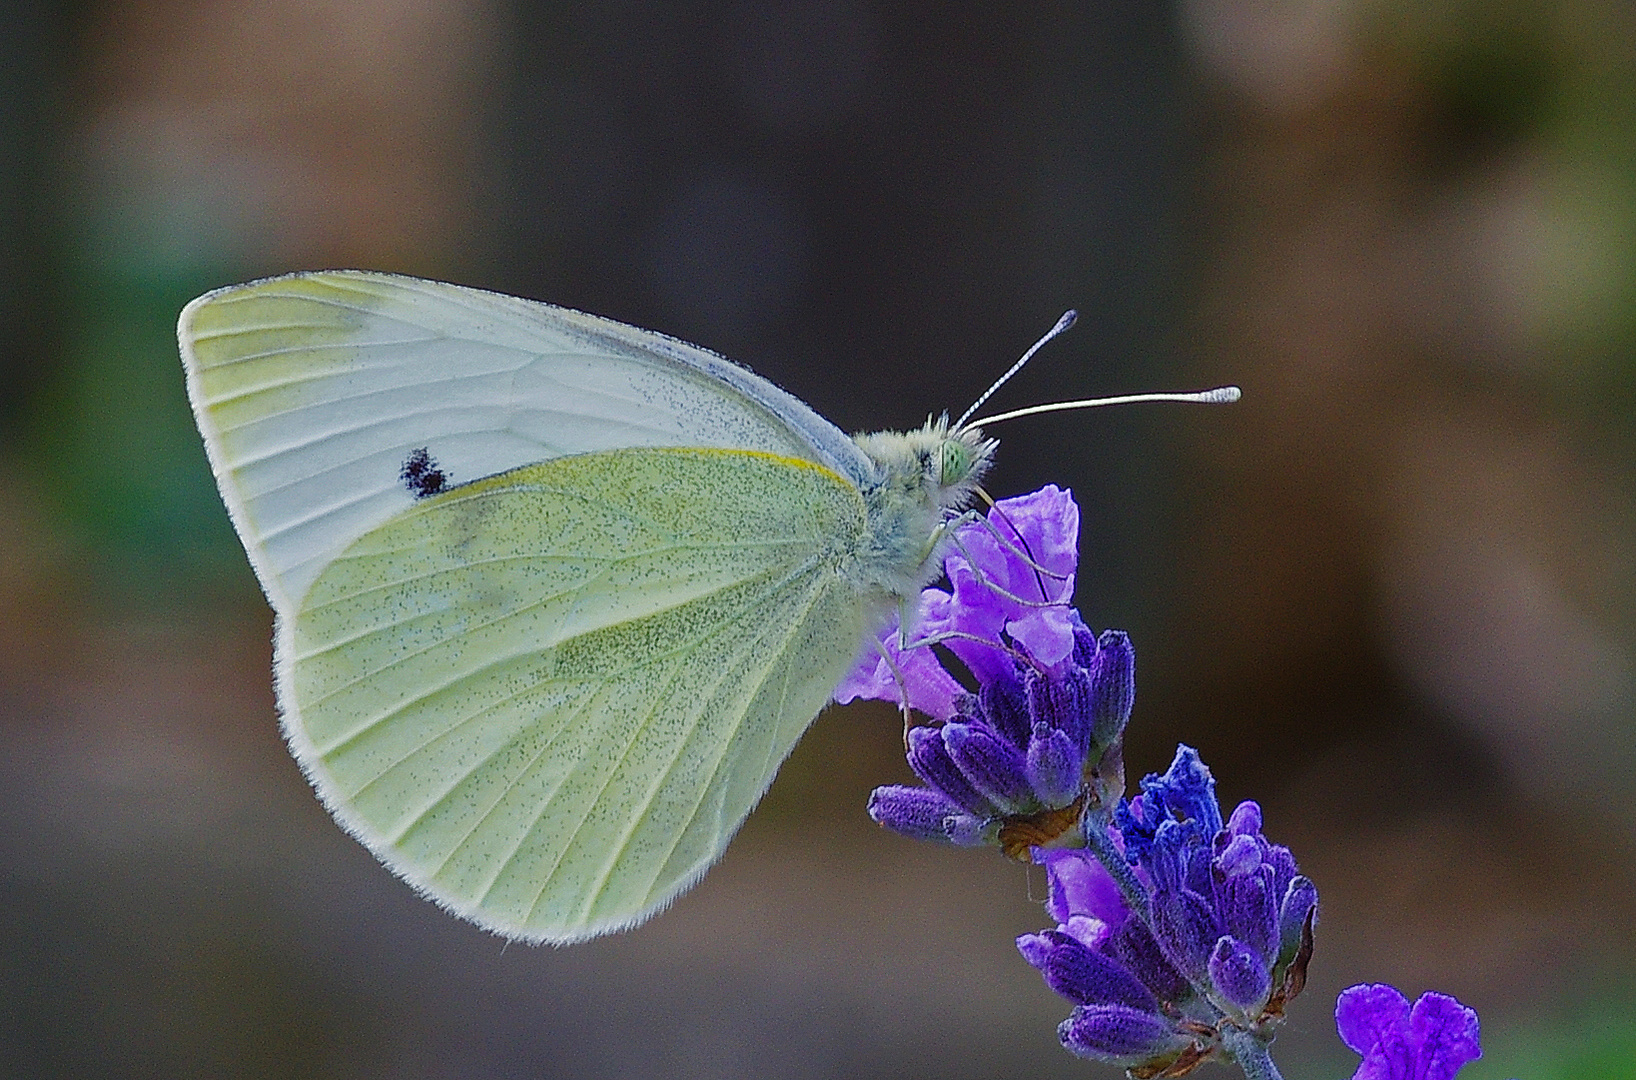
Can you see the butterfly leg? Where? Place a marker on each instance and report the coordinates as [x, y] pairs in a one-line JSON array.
[[903, 687]]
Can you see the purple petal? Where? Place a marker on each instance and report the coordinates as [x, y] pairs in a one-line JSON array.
[[1119, 1035], [1047, 633], [996, 587], [1088, 930], [869, 679], [1045, 525], [1446, 1034], [1078, 885], [926, 686], [1369, 1012], [970, 627]]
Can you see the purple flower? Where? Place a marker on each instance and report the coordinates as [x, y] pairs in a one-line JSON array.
[[1013, 763], [1079, 887], [1002, 605], [1230, 912], [924, 684], [1103, 960], [1014, 575], [1179, 935], [1431, 1040]]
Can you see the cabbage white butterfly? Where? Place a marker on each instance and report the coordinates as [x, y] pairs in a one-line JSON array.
[[554, 596]]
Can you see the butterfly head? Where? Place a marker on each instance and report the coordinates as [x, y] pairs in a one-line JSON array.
[[934, 465]]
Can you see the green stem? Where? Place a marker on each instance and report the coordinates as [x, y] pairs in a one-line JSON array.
[[1253, 1054]]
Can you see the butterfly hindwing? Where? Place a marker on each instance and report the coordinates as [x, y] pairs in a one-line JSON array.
[[549, 698]]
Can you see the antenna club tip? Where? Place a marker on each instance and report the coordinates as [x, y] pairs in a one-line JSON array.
[[1226, 395], [1068, 319]]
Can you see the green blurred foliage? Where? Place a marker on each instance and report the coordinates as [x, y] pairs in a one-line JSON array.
[[1599, 1042], [1548, 85], [110, 429]]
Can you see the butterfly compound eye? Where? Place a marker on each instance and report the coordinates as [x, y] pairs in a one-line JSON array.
[[955, 463]]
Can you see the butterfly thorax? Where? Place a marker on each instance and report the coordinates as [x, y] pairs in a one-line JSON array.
[[924, 475]]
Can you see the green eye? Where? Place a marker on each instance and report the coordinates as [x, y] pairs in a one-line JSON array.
[[956, 463]]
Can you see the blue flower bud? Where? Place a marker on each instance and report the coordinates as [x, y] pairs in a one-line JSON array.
[[1240, 976], [995, 767], [1086, 977], [930, 760], [1005, 706], [1300, 898], [1054, 766], [1120, 1035], [1064, 701], [1185, 926], [1189, 791], [1113, 687], [912, 811], [1170, 855]]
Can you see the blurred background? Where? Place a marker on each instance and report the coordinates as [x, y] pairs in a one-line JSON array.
[[1392, 594]]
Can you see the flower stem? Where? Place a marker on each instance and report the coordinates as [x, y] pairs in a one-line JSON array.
[[1101, 845], [1253, 1054]]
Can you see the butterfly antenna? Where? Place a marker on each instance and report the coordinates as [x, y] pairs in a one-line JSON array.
[[1221, 395], [1063, 323]]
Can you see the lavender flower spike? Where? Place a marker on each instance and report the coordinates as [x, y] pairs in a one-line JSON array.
[[1180, 934], [1039, 742], [1432, 1040]]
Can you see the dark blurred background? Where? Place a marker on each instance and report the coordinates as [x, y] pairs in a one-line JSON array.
[[1392, 594]]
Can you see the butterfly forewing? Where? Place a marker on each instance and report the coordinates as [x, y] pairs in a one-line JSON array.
[[549, 698], [314, 390]]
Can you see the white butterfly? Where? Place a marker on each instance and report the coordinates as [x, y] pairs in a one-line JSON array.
[[555, 596]]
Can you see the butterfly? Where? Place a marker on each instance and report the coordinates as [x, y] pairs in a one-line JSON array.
[[554, 596]]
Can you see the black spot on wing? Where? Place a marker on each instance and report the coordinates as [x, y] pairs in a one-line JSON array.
[[421, 475]]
